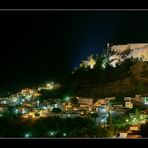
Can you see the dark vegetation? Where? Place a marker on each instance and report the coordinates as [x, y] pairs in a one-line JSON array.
[[73, 127], [126, 79]]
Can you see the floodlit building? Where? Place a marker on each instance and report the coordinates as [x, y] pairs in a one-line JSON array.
[[90, 62], [135, 50]]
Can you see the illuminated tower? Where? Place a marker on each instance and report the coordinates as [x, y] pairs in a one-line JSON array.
[[88, 63], [91, 62]]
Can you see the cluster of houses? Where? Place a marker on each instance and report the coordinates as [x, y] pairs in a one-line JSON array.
[[27, 103], [50, 86], [21, 101], [133, 132], [104, 106]]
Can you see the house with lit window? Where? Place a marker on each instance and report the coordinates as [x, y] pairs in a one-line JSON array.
[[118, 110], [144, 100], [128, 102], [85, 101], [3, 108]]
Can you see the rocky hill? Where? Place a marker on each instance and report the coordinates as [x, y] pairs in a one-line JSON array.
[[127, 79]]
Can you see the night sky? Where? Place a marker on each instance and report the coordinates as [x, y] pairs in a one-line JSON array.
[[36, 45]]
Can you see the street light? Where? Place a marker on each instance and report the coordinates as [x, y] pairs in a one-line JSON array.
[[16, 111], [38, 103], [51, 133], [67, 98], [27, 135]]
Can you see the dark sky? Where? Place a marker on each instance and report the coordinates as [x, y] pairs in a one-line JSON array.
[[36, 45]]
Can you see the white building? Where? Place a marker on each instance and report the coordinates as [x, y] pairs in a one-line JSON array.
[[118, 110], [123, 135], [127, 99], [128, 105], [85, 101], [144, 100], [88, 63], [137, 50], [128, 102]]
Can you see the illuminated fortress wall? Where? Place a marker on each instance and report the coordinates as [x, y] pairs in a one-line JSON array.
[[139, 50]]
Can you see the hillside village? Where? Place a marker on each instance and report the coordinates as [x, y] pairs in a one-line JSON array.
[[98, 90]]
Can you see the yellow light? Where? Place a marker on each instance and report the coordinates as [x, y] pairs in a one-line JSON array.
[[127, 120], [82, 113]]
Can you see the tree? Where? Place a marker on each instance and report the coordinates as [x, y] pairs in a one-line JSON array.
[[125, 53], [94, 115], [99, 61], [137, 113], [37, 114], [74, 101], [56, 110], [144, 130], [110, 122]]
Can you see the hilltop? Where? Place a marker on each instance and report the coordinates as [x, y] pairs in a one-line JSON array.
[[126, 79]]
